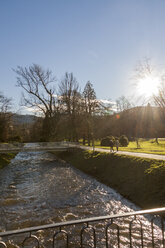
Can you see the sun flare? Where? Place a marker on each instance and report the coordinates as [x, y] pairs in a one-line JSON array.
[[148, 85]]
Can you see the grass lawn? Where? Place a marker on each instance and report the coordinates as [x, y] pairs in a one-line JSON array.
[[140, 180], [146, 146]]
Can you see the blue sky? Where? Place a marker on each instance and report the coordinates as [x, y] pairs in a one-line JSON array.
[[97, 40]]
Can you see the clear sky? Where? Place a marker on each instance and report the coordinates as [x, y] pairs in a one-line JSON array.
[[97, 40]]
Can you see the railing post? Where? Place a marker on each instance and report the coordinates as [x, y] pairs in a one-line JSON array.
[[31, 237], [152, 231], [59, 232], [130, 231], [82, 231], [108, 226]]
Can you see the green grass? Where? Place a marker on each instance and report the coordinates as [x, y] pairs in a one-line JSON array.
[[139, 179], [5, 159], [146, 146]]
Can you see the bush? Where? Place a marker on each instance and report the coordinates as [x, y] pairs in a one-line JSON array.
[[123, 140], [106, 141]]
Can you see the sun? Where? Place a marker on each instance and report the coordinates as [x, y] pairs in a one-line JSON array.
[[148, 86]]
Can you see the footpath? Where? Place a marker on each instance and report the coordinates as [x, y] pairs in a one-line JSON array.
[[136, 154]]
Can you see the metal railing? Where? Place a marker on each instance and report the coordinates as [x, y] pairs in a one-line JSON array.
[[84, 232]]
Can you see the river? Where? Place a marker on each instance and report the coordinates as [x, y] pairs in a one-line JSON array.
[[36, 189]]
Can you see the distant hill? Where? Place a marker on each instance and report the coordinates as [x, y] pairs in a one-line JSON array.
[[24, 119], [140, 121]]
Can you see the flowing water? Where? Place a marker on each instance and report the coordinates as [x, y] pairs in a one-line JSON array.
[[36, 189]]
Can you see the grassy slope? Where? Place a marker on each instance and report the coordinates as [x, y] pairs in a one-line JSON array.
[[138, 179], [5, 159]]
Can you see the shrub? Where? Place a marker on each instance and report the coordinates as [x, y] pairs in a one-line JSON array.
[[123, 140], [112, 138], [106, 141]]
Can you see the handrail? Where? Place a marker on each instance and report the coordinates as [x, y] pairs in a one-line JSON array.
[[85, 220]]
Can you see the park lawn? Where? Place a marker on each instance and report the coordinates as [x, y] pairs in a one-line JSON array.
[[146, 146]]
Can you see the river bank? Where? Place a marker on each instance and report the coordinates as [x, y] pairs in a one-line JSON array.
[[37, 189], [5, 159], [140, 180]]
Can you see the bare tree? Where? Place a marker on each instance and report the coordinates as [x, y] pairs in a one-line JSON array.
[[122, 103], [144, 70], [159, 98], [69, 92], [5, 103], [5, 117], [38, 89], [147, 69], [70, 98], [39, 93]]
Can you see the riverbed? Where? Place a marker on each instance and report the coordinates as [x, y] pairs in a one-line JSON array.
[[36, 189]]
